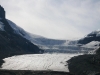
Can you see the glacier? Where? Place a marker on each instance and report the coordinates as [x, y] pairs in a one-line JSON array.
[[40, 62]]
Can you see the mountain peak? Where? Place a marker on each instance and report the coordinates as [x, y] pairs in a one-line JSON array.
[[2, 12]]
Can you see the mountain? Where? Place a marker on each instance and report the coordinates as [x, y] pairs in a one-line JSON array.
[[61, 46], [12, 41], [93, 36], [48, 45], [58, 46], [91, 40], [87, 44]]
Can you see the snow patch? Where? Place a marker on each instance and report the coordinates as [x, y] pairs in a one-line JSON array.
[[1, 26], [70, 42], [55, 62], [93, 44]]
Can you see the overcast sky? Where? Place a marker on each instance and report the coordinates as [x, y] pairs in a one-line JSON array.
[[58, 19]]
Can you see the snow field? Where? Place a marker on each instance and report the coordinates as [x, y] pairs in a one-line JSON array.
[[55, 62]]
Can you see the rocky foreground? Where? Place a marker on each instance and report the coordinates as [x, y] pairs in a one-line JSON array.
[[27, 72], [85, 64]]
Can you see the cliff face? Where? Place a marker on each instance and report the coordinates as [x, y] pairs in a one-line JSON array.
[[12, 43], [2, 12]]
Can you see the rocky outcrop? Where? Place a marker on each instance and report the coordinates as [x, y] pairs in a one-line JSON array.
[[85, 64], [2, 12]]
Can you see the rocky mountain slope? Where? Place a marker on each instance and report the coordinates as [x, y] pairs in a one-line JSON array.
[[48, 45], [93, 36], [88, 64], [12, 43]]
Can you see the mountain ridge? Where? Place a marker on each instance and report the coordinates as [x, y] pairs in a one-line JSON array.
[[93, 36], [12, 43]]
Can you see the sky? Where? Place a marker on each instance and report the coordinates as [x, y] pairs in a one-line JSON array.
[[56, 19]]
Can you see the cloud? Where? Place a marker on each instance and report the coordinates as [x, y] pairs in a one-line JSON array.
[[59, 19]]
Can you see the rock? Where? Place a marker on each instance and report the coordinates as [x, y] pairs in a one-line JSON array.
[[2, 12]]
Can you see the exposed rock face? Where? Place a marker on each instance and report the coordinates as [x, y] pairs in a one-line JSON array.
[[12, 43], [2, 12]]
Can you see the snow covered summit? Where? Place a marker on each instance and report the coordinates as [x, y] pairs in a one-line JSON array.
[[93, 36]]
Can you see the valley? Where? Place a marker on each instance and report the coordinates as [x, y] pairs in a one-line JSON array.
[[23, 53]]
